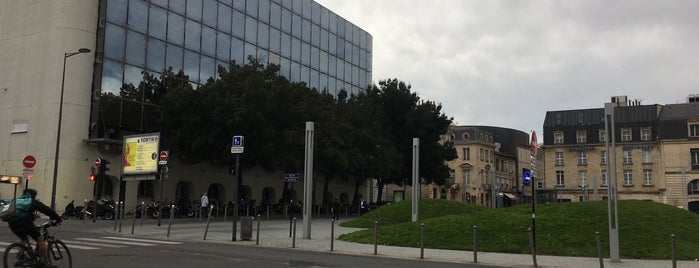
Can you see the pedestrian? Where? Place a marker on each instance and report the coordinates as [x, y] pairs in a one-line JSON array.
[[204, 205], [336, 209]]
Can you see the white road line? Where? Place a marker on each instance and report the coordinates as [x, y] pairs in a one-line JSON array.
[[115, 242], [143, 240], [83, 243], [73, 246], [4, 244]]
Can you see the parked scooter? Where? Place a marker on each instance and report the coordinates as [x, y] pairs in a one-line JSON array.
[[183, 209], [71, 211], [105, 209], [152, 210]]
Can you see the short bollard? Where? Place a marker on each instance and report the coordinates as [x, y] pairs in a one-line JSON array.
[[84, 209], [475, 244], [143, 212], [133, 222], [257, 240], [376, 237], [269, 208], [293, 240], [674, 259], [208, 220], [332, 234], [599, 250], [531, 246], [291, 224], [422, 240], [225, 214], [169, 224], [115, 217]]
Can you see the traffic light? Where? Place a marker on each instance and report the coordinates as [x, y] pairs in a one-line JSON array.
[[93, 173], [104, 166]]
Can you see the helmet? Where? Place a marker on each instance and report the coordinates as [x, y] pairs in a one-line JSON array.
[[31, 192]]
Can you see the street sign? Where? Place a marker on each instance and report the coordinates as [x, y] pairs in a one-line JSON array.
[[237, 150], [29, 161], [163, 158], [291, 177], [98, 161], [526, 177], [237, 141]]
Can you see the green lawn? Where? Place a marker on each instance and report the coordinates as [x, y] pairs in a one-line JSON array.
[[566, 229]]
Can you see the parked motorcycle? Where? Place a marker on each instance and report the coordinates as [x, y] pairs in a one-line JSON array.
[[184, 209], [105, 209], [71, 211], [152, 210]]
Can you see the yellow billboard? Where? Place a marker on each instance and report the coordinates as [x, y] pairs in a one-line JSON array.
[[141, 154]]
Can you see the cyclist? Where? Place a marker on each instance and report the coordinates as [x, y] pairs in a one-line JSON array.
[[24, 226]]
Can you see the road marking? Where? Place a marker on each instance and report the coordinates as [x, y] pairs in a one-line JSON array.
[[115, 242], [84, 243], [143, 240]]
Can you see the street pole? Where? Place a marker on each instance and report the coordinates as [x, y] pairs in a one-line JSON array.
[[60, 117], [416, 179], [612, 188], [308, 181]]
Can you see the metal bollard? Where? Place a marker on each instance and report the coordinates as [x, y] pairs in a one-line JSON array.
[[84, 209], [674, 258], [208, 220], [290, 226], [599, 250], [120, 213], [143, 212], [422, 240], [225, 213], [293, 240], [257, 241], [531, 246], [116, 220], [332, 234], [172, 215], [269, 208], [376, 237], [133, 222], [475, 244]]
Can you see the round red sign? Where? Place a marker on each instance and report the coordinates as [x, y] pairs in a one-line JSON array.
[[29, 161], [98, 161], [163, 156]]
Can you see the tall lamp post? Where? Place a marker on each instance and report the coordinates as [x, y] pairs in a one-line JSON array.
[[60, 117]]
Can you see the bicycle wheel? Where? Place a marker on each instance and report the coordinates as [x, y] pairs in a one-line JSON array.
[[59, 254], [15, 255]]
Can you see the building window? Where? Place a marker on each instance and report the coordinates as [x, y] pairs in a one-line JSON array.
[[466, 176], [647, 177], [480, 154], [581, 136], [467, 153], [694, 154], [693, 187], [580, 118], [602, 135], [451, 137], [628, 178], [560, 178], [582, 158], [559, 159], [466, 136], [558, 138], [626, 135], [558, 119], [582, 177], [627, 157], [605, 178], [603, 157], [693, 129], [647, 156], [645, 134]]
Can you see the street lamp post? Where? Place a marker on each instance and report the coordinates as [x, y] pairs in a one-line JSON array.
[[60, 117]]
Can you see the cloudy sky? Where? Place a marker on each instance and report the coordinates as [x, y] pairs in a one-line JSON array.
[[505, 63]]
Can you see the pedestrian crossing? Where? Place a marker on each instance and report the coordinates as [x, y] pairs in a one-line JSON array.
[[108, 242]]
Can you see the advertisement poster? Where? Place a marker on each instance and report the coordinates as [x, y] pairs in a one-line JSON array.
[[141, 154]]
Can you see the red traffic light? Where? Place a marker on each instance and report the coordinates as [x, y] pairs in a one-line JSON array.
[[93, 177]]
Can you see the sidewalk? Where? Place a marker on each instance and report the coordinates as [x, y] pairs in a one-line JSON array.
[[276, 233]]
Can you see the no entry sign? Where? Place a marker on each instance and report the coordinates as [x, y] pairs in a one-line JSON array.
[[29, 161]]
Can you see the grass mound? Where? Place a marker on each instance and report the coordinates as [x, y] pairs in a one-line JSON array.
[[565, 229]]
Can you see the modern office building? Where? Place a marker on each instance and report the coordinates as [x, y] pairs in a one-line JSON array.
[[656, 153], [57, 110]]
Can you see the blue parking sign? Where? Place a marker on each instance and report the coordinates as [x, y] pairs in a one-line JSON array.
[[237, 141]]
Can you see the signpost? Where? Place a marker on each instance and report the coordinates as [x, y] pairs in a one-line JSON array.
[[163, 158], [291, 177], [28, 161], [237, 148], [533, 145]]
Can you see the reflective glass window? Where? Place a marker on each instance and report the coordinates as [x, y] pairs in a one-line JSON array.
[[116, 11], [355, 54], [315, 35], [332, 65], [323, 61], [162, 3], [238, 24], [174, 58], [193, 35], [156, 55], [348, 51], [348, 72], [250, 50], [324, 18], [362, 59], [348, 31], [284, 67], [250, 29], [323, 82], [251, 8], [340, 73], [157, 26], [273, 58], [324, 39], [295, 72], [210, 12], [138, 15], [223, 46], [362, 40], [264, 11], [296, 24], [356, 37], [340, 52], [208, 66], [224, 18], [332, 88], [369, 40], [274, 40], [191, 65], [305, 53], [297, 6], [112, 75], [315, 13], [135, 48], [239, 4], [194, 9], [332, 44], [286, 21], [208, 40], [114, 41], [177, 6], [238, 51], [362, 79], [285, 45], [227, 2], [275, 19], [307, 8], [295, 49], [220, 64], [340, 27], [306, 27], [332, 25], [263, 35], [355, 75], [313, 82], [315, 58], [175, 28], [132, 75]]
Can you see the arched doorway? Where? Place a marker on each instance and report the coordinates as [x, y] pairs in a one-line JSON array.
[[183, 192]]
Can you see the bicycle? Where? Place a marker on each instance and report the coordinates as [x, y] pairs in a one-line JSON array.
[[26, 255]]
